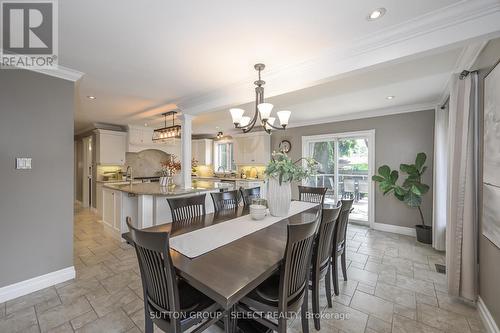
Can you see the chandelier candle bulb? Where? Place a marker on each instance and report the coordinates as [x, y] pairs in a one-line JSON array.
[[284, 116], [265, 110]]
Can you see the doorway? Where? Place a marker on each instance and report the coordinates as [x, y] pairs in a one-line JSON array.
[[346, 167], [87, 172]]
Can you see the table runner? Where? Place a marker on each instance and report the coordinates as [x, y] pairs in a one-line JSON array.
[[201, 241]]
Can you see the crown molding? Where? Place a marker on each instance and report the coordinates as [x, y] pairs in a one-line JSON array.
[[61, 72], [453, 26], [368, 114]]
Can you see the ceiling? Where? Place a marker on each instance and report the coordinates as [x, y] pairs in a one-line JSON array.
[[141, 60], [417, 83]]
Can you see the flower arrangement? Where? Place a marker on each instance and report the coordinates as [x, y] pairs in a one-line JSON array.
[[282, 168], [170, 167], [194, 165]]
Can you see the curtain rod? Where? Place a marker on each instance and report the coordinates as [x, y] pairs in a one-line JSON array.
[[466, 73]]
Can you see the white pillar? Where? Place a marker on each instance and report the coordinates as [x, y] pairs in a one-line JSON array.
[[187, 131]]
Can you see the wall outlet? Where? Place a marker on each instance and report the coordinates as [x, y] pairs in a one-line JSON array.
[[23, 163]]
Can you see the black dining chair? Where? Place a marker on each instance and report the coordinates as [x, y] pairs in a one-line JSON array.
[[169, 302], [225, 200], [339, 243], [187, 207], [247, 194], [286, 291], [321, 259], [312, 194]]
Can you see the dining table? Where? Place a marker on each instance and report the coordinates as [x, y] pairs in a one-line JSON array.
[[228, 273]]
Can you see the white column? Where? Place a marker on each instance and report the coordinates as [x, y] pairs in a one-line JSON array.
[[186, 150]]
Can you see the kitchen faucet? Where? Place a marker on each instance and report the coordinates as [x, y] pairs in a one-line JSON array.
[[129, 177], [223, 170]]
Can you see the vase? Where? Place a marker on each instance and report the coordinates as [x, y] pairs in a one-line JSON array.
[[163, 181], [279, 197]]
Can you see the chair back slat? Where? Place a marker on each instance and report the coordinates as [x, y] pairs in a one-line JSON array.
[[297, 260], [324, 240], [187, 208], [312, 194], [157, 270], [247, 194], [341, 226], [225, 200]]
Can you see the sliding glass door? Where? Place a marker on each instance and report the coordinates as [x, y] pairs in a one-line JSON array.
[[346, 164]]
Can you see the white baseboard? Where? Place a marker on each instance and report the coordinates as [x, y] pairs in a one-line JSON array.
[[37, 283], [396, 229], [488, 321]]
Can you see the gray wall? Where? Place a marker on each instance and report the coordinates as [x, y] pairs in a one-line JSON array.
[[489, 254], [36, 220], [398, 138]]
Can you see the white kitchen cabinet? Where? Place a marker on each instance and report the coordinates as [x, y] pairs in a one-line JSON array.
[[110, 147], [98, 192], [202, 151], [252, 184], [111, 208], [252, 148]]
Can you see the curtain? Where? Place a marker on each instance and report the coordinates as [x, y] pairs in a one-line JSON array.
[[462, 201], [440, 178]]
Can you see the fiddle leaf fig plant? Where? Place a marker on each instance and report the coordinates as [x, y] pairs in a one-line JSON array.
[[412, 189]]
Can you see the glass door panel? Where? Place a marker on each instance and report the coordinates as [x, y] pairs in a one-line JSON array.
[[324, 153], [353, 177]]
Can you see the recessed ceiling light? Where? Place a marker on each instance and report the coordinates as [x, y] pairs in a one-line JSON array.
[[376, 14], [91, 97], [390, 97], [145, 124]]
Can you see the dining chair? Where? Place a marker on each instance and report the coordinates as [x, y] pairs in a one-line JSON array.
[[247, 194], [339, 243], [225, 200], [312, 194], [286, 291], [169, 302], [321, 258], [187, 207]]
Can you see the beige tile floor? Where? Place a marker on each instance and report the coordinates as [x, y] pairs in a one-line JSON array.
[[392, 287]]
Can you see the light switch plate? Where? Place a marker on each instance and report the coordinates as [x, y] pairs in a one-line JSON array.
[[23, 163]]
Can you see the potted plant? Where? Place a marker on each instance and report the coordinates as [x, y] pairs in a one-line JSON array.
[[280, 172], [410, 191]]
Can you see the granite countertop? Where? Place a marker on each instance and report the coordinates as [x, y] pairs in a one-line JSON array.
[[230, 178], [156, 189]]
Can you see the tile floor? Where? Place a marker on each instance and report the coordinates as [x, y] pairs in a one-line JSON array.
[[392, 287]]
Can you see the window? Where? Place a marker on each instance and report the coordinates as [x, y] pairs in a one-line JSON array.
[[224, 156]]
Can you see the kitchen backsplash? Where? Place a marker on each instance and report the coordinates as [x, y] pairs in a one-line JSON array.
[[145, 163]]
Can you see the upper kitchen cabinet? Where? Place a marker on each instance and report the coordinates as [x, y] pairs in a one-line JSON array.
[[110, 147], [202, 151], [252, 148]]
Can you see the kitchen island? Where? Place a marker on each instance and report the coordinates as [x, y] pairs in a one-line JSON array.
[[146, 203]]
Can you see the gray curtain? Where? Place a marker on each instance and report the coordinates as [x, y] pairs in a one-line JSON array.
[[462, 202], [440, 209]]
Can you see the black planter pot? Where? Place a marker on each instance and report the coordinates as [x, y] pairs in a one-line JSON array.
[[424, 233]]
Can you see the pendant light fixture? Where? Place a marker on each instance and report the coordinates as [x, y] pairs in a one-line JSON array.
[[167, 132], [262, 111]]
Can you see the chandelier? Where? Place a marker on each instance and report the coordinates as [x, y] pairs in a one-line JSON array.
[[167, 132], [262, 111]]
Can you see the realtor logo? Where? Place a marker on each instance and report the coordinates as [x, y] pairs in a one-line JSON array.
[[28, 34]]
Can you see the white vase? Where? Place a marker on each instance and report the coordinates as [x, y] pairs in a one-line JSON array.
[[163, 181], [279, 197]]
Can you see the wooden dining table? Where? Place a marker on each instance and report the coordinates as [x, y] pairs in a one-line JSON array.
[[228, 273]]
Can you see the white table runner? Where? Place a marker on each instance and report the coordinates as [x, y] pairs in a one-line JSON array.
[[198, 242]]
